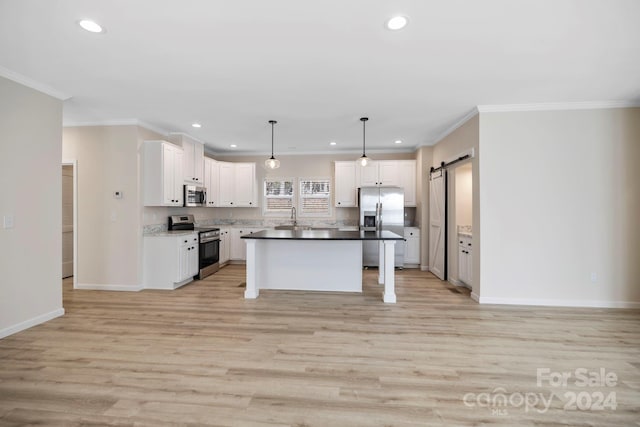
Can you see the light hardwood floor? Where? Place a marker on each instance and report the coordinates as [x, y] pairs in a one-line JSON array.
[[202, 355]]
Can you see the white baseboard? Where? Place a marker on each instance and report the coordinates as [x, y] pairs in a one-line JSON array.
[[559, 303], [102, 287], [475, 297], [31, 322], [424, 267]]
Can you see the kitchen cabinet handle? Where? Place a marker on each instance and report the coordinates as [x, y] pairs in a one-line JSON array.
[[185, 241], [469, 244]]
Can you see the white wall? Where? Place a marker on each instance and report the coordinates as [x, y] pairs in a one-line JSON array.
[[560, 200], [109, 229], [30, 173], [463, 195]]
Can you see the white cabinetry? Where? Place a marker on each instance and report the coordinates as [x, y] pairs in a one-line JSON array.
[[346, 190], [465, 260], [238, 250], [193, 161], [382, 172], [225, 246], [349, 176], [212, 182], [412, 246], [407, 177], [162, 174], [170, 261], [237, 185]]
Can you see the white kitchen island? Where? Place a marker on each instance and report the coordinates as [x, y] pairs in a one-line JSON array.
[[316, 260]]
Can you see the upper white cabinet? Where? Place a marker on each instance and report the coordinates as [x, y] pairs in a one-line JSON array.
[[162, 174], [382, 172], [212, 181], [193, 166], [349, 176], [245, 184], [237, 185], [407, 176], [346, 190]]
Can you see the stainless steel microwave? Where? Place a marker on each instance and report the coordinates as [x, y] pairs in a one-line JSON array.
[[195, 196]]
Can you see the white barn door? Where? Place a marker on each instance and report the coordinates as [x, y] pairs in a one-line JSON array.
[[437, 223]]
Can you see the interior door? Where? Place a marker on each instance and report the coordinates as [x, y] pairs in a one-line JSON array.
[[67, 221], [437, 223]]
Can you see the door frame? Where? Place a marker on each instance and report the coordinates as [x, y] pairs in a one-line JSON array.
[[74, 167]]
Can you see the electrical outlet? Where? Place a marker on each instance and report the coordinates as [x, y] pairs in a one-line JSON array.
[[594, 277]]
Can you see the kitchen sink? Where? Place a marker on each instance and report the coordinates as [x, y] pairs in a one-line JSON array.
[[292, 227]]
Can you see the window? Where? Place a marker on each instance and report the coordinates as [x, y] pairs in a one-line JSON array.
[[315, 197], [278, 196]]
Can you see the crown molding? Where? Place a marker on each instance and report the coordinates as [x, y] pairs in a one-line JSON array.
[[355, 152], [117, 122], [464, 119], [188, 136], [557, 106], [33, 84]]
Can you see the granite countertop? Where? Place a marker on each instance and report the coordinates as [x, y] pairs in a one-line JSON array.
[[171, 233], [323, 235]]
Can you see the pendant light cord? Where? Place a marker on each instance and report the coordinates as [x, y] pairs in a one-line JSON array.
[[273, 122], [364, 121]]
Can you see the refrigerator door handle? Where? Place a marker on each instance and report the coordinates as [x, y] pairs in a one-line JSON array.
[[379, 221]]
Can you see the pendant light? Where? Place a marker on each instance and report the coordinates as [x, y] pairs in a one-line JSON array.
[[272, 162], [364, 160]]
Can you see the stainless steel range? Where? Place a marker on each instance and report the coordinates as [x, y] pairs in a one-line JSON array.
[[208, 246]]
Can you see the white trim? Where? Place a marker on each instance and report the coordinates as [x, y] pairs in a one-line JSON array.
[[560, 303], [187, 135], [108, 287], [74, 166], [555, 106], [424, 267], [31, 322], [33, 84], [464, 119], [475, 297], [355, 152], [117, 122]]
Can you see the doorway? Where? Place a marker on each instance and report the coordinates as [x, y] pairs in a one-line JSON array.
[[69, 220], [461, 229]]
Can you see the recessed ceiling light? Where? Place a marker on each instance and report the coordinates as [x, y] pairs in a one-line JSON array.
[[196, 125], [398, 141], [233, 146], [90, 26], [397, 22], [332, 143]]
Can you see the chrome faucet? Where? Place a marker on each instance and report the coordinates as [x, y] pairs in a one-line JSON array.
[[293, 215]]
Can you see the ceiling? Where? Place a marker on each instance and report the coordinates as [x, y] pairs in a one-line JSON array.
[[317, 66]]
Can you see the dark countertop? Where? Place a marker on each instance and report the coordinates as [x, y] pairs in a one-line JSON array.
[[323, 235]]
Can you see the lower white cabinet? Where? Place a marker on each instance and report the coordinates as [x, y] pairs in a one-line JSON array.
[[465, 260], [412, 247], [225, 246], [238, 246], [170, 260]]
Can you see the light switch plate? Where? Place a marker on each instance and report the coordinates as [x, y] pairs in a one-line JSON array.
[[8, 221]]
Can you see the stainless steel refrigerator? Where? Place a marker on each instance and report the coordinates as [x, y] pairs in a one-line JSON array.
[[381, 208]]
